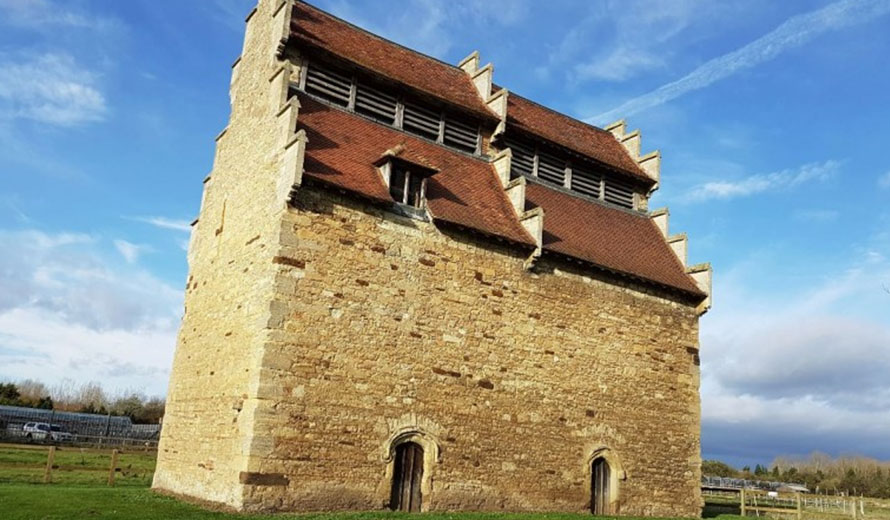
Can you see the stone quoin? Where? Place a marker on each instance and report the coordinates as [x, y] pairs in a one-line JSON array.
[[410, 288]]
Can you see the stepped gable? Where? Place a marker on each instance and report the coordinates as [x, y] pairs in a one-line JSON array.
[[613, 239], [534, 119], [320, 30], [343, 149]]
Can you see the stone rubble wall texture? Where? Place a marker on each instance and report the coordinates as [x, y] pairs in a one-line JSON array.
[[316, 334]]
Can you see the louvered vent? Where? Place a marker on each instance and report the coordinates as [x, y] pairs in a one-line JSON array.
[[523, 162], [329, 84], [619, 192], [551, 168], [421, 121], [586, 182], [375, 104], [461, 135]]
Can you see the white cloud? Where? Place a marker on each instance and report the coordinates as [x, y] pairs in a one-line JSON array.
[[754, 184], [129, 250], [42, 345], [623, 63], [619, 39], [69, 310], [52, 88], [884, 180], [798, 370], [166, 223], [794, 32], [46, 15], [429, 25]]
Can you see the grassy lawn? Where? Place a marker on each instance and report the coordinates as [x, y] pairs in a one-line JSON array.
[[74, 466], [79, 491], [30, 501]]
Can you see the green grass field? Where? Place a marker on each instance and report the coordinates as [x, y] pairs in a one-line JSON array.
[[79, 490]]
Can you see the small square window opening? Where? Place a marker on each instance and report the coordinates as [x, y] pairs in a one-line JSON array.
[[407, 186]]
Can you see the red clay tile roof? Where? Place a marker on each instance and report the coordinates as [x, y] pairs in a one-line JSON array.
[[433, 77], [611, 238], [343, 148], [575, 135]]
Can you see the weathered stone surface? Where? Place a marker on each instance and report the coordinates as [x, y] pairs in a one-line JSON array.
[[317, 337]]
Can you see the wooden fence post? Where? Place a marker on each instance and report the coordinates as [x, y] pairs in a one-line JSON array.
[[47, 475], [113, 468], [799, 508], [742, 500]]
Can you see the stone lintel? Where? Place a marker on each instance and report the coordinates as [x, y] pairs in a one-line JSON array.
[[252, 478]]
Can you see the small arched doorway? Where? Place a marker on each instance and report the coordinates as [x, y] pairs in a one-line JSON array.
[[406, 477], [600, 480]]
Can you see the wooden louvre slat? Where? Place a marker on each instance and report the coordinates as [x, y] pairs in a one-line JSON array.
[[523, 162], [421, 121], [587, 183], [375, 104], [328, 84], [461, 135], [619, 193], [551, 168]]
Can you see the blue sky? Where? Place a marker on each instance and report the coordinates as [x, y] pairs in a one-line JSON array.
[[773, 120]]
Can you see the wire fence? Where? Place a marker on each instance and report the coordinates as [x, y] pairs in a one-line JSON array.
[[758, 502], [35, 426]]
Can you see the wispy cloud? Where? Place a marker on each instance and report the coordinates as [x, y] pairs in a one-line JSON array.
[[794, 32], [129, 250], [884, 180], [164, 222], [46, 15], [428, 25], [51, 88], [623, 63], [763, 183]]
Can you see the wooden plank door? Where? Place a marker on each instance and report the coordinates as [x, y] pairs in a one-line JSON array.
[[599, 484], [406, 478]]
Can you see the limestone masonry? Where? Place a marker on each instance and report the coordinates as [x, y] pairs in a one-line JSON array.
[[412, 289]]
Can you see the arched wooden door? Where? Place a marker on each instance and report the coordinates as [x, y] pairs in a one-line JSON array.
[[599, 487], [406, 477]]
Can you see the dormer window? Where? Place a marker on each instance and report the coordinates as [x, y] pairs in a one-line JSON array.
[[406, 180], [406, 186]]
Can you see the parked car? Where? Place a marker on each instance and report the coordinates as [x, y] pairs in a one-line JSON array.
[[36, 430], [41, 431], [60, 435]]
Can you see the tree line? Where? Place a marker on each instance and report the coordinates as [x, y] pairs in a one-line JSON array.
[[68, 396], [850, 475]]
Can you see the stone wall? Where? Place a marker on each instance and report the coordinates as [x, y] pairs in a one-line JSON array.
[[388, 325], [205, 439], [317, 336]]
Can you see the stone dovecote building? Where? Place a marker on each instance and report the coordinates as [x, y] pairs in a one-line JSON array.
[[410, 288]]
